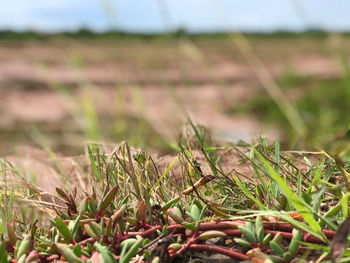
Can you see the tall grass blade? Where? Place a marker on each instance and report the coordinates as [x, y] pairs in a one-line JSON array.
[[299, 204], [94, 168]]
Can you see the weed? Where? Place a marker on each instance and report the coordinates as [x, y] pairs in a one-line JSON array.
[[136, 212]]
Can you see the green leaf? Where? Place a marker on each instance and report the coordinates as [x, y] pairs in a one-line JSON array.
[[63, 194], [83, 206], [24, 246], [276, 248], [163, 175], [198, 135], [95, 171], [260, 235], [211, 234], [195, 212], [278, 238], [75, 225], [68, 253], [344, 201], [22, 259], [106, 255], [109, 225], [242, 242], [277, 156], [175, 215], [248, 193], [294, 243], [203, 212], [209, 149], [189, 226], [77, 250], [61, 226], [333, 211], [3, 252], [267, 239], [247, 234], [300, 205], [105, 202], [131, 252], [316, 176], [91, 206], [91, 230], [170, 203], [287, 256]]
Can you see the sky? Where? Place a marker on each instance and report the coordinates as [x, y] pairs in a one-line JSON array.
[[149, 16]]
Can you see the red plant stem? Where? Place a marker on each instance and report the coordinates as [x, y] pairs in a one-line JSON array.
[[155, 228], [233, 232], [285, 235], [289, 228], [220, 250], [192, 240], [220, 225], [227, 226], [329, 233], [202, 227], [52, 258], [311, 239], [279, 226], [144, 233], [88, 240]]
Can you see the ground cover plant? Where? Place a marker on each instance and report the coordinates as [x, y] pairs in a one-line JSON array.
[[284, 207]]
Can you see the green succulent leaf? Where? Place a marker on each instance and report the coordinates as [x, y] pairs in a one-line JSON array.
[[106, 255], [68, 253], [247, 234], [242, 242], [295, 242], [106, 201], [61, 226], [24, 246], [276, 248], [130, 252]]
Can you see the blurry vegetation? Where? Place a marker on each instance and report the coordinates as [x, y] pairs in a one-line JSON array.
[[181, 33], [322, 103]]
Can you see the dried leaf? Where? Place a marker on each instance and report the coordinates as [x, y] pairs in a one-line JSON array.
[[340, 240]]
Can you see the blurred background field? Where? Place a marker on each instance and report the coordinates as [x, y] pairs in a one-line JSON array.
[[65, 89], [65, 82]]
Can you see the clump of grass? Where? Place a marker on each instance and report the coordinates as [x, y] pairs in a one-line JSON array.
[[288, 208], [321, 103]]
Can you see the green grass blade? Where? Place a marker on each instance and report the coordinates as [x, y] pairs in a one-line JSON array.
[[164, 174], [248, 193], [299, 204], [277, 156], [95, 171]]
